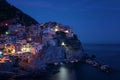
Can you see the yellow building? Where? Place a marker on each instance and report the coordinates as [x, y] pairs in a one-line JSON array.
[[9, 49]]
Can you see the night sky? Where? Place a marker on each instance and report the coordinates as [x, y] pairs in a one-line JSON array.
[[94, 21]]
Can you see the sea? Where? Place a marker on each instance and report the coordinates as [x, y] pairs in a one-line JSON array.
[[108, 54]]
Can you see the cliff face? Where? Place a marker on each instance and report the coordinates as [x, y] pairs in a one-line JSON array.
[[60, 44], [58, 54], [9, 12]]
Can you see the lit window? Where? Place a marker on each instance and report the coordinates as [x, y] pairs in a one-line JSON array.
[[66, 31]]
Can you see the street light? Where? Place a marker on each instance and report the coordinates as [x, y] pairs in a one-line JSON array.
[[63, 44], [56, 29], [6, 32]]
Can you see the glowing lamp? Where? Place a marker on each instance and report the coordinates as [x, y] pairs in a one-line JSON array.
[[63, 44], [56, 29], [29, 39], [6, 32], [66, 31], [0, 53], [13, 51], [6, 24]]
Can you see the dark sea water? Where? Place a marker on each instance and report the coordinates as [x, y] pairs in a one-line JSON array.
[[105, 53]]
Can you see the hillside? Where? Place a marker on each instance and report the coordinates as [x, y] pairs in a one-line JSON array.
[[9, 12]]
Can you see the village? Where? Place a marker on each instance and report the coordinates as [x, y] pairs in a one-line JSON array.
[[49, 42]]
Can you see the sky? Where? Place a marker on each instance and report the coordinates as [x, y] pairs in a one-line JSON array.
[[94, 21]]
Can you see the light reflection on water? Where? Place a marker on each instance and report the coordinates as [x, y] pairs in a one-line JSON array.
[[64, 74]]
